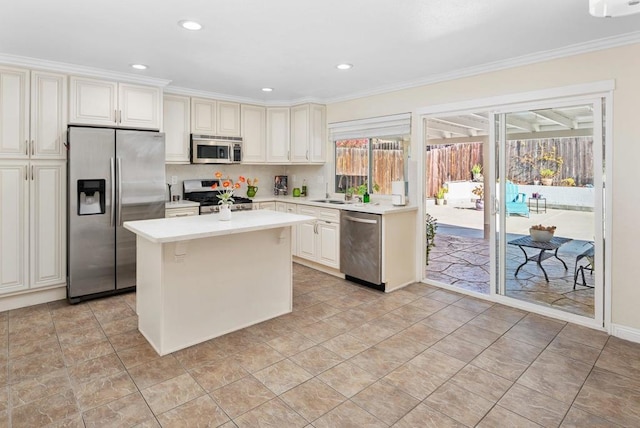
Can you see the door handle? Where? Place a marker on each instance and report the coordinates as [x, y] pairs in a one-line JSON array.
[[494, 205], [119, 116], [119, 191], [360, 220], [26, 174], [113, 193], [182, 215], [26, 147], [33, 145], [115, 116], [32, 179]]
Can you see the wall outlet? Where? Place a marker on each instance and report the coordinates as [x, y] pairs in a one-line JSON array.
[[174, 179]]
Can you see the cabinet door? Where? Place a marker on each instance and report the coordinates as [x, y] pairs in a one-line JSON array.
[[278, 134], [228, 119], [328, 238], [267, 206], [14, 113], [48, 115], [14, 219], [203, 116], [139, 106], [306, 234], [317, 133], [181, 212], [176, 120], [300, 134], [253, 123], [47, 223], [92, 102]]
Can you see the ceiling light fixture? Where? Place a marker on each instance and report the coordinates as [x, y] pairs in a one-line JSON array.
[[190, 25], [139, 66], [613, 8], [344, 66], [267, 89]]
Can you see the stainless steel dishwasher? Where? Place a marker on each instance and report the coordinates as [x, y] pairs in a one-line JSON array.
[[361, 248]]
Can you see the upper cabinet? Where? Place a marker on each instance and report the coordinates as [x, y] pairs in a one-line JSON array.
[[278, 134], [253, 120], [176, 121], [33, 116], [99, 102], [211, 117], [308, 133]]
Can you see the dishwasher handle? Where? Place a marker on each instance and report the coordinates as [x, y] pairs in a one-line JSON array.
[[360, 220]]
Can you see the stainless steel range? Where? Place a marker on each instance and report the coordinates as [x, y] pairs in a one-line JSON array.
[[201, 191]]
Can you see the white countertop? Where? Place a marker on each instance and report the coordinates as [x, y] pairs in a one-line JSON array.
[[181, 204], [163, 230], [382, 207]]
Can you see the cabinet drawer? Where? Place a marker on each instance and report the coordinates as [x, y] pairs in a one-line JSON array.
[[328, 214], [180, 212]]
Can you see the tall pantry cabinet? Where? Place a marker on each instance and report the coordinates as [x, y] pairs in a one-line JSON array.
[[33, 124]]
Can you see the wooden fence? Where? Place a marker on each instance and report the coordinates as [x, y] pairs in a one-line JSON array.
[[352, 163]]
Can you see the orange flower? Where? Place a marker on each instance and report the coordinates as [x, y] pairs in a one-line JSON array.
[[241, 179], [236, 186], [214, 186], [218, 174], [226, 183]]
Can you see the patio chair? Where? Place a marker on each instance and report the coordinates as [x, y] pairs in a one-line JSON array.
[[579, 269], [516, 203]]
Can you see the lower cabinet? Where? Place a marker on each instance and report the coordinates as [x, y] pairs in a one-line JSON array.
[[264, 206], [181, 212], [32, 224], [319, 240]]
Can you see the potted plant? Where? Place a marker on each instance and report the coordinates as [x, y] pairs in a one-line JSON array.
[[546, 176], [476, 172], [479, 192], [440, 195], [431, 227]]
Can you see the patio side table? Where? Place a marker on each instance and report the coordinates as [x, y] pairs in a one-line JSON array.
[[527, 242], [538, 204]]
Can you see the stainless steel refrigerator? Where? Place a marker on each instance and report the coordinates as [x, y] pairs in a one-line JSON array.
[[114, 175]]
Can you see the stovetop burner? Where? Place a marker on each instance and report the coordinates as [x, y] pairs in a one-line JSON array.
[[201, 191]]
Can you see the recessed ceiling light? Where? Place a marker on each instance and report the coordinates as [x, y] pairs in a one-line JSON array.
[[139, 66], [267, 89], [190, 25], [344, 66]]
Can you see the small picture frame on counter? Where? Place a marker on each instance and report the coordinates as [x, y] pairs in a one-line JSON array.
[[280, 185]]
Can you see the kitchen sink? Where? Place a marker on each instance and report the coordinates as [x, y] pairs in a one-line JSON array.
[[330, 201]]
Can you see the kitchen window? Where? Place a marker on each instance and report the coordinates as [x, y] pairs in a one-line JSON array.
[[371, 152], [370, 162]]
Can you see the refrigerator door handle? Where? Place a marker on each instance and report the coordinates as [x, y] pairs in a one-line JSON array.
[[119, 191], [113, 193]]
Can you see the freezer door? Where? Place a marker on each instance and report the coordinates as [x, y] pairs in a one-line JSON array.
[[141, 189], [91, 238]]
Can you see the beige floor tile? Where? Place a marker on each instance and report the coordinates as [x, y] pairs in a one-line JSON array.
[[347, 378], [45, 411], [345, 345], [437, 364], [70, 321], [424, 416], [241, 396], [577, 418], [495, 325], [35, 366], [410, 313], [377, 361], [477, 335], [348, 415], [385, 402], [129, 410], [414, 380], [83, 334], [135, 356], [96, 368], [312, 399], [320, 331], [291, 344], [119, 326], [216, 375], [39, 387], [87, 351], [621, 357], [442, 322], [566, 346], [257, 357], [198, 355], [34, 348], [73, 421], [459, 348], [316, 359], [201, 412], [423, 334], [282, 376], [427, 304], [584, 335], [156, 371], [499, 416], [272, 414], [530, 334], [536, 407], [172, 393], [126, 340], [445, 296], [459, 404], [505, 313], [104, 390], [482, 383]]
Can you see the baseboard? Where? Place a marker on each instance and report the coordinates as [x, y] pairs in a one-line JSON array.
[[318, 266], [33, 297], [626, 333]]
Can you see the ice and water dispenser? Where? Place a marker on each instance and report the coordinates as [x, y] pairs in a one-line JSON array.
[[91, 198]]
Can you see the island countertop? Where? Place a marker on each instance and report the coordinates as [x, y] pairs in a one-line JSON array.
[[164, 230]]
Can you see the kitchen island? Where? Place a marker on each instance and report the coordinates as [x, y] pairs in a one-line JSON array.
[[199, 277]]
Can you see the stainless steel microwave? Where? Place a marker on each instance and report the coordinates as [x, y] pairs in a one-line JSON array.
[[207, 149]]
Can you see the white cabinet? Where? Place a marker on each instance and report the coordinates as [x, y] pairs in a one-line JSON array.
[[319, 240], [253, 121], [181, 212], [217, 118], [32, 225], [176, 122], [308, 133], [278, 134], [32, 114], [265, 206], [99, 102]]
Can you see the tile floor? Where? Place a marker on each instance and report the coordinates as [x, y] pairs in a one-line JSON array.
[[346, 357]]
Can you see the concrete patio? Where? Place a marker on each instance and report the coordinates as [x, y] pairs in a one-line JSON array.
[[461, 257]]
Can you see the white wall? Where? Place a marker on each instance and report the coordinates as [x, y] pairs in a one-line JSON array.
[[621, 64]]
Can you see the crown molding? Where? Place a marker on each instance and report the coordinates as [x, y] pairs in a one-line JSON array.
[[177, 90], [62, 67], [577, 49]]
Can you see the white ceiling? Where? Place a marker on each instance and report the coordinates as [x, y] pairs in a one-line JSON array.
[[294, 45]]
